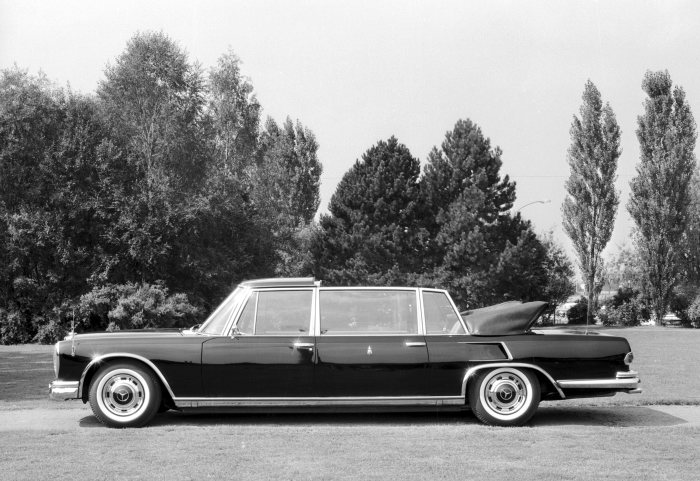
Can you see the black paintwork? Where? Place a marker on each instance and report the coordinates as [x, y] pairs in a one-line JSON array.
[[206, 366], [195, 365]]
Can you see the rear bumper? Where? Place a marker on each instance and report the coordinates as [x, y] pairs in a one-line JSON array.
[[63, 390], [624, 381]]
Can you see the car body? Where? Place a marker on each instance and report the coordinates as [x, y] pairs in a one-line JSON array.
[[294, 344]]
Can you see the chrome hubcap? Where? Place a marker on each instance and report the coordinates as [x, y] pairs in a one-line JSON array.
[[505, 393], [123, 394]]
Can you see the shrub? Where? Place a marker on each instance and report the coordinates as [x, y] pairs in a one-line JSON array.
[[50, 332], [135, 306], [681, 301], [14, 328], [577, 313], [629, 313], [623, 295], [693, 312]]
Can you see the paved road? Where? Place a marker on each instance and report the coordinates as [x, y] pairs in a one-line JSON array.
[[80, 417]]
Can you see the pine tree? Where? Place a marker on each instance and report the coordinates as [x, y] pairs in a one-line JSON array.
[[467, 206], [370, 235], [660, 192], [590, 207]]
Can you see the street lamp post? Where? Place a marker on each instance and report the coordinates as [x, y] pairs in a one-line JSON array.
[[545, 201]]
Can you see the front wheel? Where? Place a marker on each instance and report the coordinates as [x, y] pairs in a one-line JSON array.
[[504, 396], [124, 395]]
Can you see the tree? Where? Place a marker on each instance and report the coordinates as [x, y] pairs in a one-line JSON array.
[[474, 247], [624, 269], [153, 100], [591, 204], [691, 237], [369, 236], [660, 192], [50, 233], [234, 112], [559, 272], [285, 190]]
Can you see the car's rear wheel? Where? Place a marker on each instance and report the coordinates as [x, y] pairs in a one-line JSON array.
[[124, 395], [504, 396]]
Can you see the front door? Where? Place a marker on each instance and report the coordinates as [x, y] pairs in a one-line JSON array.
[[271, 352]]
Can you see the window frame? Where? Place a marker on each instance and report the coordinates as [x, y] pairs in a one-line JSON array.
[[454, 308], [256, 291], [419, 312]]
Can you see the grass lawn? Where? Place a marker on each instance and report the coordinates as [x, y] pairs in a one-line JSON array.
[[404, 447], [557, 446]]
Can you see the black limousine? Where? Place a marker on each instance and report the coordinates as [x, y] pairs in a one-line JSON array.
[[292, 344]]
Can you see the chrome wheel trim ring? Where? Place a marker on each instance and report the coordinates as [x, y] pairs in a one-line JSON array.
[[122, 395], [505, 393]]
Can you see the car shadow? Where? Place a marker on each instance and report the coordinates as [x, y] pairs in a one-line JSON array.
[[617, 416], [625, 416]]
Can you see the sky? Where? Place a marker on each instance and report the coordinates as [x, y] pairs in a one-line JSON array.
[[357, 72]]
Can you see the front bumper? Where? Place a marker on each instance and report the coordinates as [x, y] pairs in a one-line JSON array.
[[625, 381], [63, 390]]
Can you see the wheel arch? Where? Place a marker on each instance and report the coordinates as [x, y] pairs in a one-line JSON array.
[[98, 362], [540, 373]]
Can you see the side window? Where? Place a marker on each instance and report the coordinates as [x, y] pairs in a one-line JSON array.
[[217, 321], [440, 316], [276, 313], [348, 312], [246, 323]]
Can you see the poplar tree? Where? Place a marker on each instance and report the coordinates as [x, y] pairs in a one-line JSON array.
[[661, 190], [591, 203]]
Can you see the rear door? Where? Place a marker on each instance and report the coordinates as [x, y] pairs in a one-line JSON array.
[[369, 344], [271, 351]]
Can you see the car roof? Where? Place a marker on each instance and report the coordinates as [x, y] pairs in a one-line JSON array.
[[281, 282]]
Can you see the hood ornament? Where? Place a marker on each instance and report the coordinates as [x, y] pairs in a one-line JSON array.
[[369, 350]]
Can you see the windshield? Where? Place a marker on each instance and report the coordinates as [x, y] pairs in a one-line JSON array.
[[216, 322]]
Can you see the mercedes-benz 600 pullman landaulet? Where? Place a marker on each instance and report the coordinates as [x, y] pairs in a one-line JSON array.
[[285, 344]]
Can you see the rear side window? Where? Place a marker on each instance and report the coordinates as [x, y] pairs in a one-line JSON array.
[[362, 312], [440, 316], [276, 313]]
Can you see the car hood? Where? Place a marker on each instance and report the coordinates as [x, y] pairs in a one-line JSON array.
[[504, 319]]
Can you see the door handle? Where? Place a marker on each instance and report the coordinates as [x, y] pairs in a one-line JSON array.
[[303, 345], [415, 344]]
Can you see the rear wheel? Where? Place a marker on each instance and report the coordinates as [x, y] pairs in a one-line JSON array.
[[504, 396], [124, 395]]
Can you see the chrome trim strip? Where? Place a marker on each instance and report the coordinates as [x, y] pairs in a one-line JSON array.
[[470, 372], [509, 356], [63, 390], [623, 380], [505, 348], [127, 355], [192, 402], [421, 312]]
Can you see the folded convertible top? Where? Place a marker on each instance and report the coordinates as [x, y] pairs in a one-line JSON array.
[[503, 319]]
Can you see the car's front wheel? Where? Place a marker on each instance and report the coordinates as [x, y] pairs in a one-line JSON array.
[[124, 395], [504, 396]]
